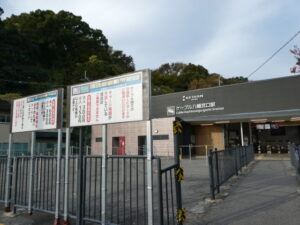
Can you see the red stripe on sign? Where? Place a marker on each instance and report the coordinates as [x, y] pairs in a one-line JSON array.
[[88, 109], [53, 112]]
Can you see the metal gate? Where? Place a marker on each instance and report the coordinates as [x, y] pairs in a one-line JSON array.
[[125, 191]]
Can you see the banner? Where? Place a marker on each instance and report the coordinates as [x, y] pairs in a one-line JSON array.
[[37, 112], [119, 99]]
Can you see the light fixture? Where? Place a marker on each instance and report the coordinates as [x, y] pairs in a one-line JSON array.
[[220, 122], [259, 120], [295, 118], [277, 121], [207, 124]]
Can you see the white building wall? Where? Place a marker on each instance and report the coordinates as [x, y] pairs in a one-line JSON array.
[[131, 131]]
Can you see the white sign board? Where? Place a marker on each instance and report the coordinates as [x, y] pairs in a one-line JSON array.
[[119, 99], [37, 112]]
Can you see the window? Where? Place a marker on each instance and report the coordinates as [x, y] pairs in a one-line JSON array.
[[18, 148], [278, 132], [3, 148], [4, 118]]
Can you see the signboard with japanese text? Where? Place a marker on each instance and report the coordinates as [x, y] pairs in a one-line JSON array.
[[119, 99], [37, 112]]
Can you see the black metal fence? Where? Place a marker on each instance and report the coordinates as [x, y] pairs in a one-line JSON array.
[[295, 156], [125, 191], [3, 164], [226, 163], [43, 183], [168, 196]]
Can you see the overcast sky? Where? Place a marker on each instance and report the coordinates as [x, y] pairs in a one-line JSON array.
[[230, 37]]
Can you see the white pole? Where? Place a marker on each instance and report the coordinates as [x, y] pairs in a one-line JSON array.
[[8, 172], [58, 175], [149, 172], [242, 134], [58, 163], [104, 179], [31, 173], [66, 194]]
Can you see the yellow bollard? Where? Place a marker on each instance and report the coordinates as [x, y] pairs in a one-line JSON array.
[[180, 154]]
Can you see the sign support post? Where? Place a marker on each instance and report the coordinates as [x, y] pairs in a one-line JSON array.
[[8, 172], [58, 161], [66, 193], [124, 98], [104, 173], [149, 172], [80, 180], [31, 177], [34, 113]]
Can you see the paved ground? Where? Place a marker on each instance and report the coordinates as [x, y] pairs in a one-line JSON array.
[[21, 218], [269, 194]]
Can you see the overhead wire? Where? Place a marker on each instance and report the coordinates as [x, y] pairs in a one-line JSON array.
[[275, 53]]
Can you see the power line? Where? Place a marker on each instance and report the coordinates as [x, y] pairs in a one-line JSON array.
[[275, 53]]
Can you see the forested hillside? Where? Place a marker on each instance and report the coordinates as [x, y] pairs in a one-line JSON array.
[[42, 50]]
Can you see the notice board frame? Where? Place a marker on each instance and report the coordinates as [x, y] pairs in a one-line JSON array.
[[146, 96], [59, 113]]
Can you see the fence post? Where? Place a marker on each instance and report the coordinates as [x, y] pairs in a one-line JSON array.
[[8, 173], [160, 198], [217, 171], [58, 165], [31, 173], [177, 129], [246, 155], [236, 160], [104, 174], [66, 193], [80, 180], [211, 174], [14, 185], [190, 151], [240, 155], [149, 172]]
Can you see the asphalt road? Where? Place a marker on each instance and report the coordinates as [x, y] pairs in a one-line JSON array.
[[268, 195]]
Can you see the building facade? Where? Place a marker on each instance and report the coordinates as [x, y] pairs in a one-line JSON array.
[[263, 113]]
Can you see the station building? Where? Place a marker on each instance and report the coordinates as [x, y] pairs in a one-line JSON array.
[[263, 113]]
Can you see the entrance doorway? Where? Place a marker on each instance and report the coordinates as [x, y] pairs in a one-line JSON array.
[[142, 145], [118, 145], [272, 138], [232, 134]]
